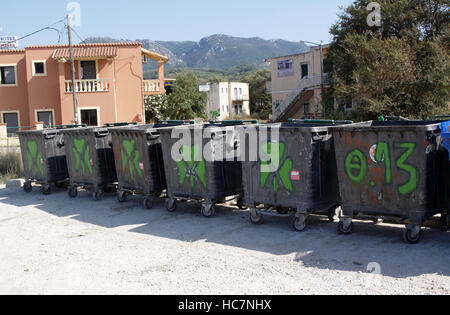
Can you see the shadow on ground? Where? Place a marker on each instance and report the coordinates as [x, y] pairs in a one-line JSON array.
[[319, 246]]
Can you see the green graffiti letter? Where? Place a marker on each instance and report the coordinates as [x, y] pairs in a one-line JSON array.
[[356, 166], [276, 152], [413, 181], [34, 158], [189, 168]]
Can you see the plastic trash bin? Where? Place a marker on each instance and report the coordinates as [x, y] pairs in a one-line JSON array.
[[90, 160], [209, 178], [44, 160], [294, 173], [139, 161], [445, 217], [445, 126], [390, 169]]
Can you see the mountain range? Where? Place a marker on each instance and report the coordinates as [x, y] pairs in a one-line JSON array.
[[217, 51]]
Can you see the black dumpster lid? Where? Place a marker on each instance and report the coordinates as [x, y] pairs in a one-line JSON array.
[[401, 125], [41, 131]]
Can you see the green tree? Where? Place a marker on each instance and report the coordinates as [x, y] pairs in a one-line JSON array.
[[185, 101], [260, 100], [399, 68]]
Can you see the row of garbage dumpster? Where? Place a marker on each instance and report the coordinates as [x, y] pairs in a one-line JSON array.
[[377, 169]]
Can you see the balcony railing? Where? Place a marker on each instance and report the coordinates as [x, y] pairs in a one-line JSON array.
[[242, 97], [88, 86], [151, 86]]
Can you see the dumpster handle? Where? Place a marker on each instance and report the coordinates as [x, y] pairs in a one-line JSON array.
[[153, 135], [102, 133], [51, 135]]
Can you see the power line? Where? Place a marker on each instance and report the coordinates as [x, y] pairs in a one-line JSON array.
[[38, 31], [82, 40]]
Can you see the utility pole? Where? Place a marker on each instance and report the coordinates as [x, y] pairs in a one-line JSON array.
[[72, 73]]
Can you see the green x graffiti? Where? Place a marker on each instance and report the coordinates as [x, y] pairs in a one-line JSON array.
[[276, 152], [81, 153], [127, 158], [189, 168], [34, 158]]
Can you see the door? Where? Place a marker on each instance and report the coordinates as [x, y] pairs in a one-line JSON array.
[[46, 117], [88, 70], [305, 70], [89, 117], [12, 122]]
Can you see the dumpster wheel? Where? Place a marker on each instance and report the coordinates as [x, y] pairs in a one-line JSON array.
[[122, 196], [299, 222], [97, 195], [73, 192], [46, 189], [412, 235], [171, 204], [148, 202], [345, 228], [241, 203], [256, 217], [28, 187], [208, 210]]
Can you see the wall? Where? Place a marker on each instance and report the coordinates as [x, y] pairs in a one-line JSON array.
[[43, 91], [128, 73], [15, 98]]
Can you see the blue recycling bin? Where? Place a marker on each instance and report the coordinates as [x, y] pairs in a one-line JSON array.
[[446, 134]]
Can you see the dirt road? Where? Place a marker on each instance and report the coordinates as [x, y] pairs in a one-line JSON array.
[[56, 245]]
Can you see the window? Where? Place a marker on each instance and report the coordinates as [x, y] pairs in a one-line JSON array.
[[46, 117], [235, 91], [39, 68], [240, 91], [8, 75], [12, 122], [88, 70], [89, 117], [304, 70]]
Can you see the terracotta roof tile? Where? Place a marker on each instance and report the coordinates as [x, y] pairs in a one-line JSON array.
[[12, 51], [86, 52], [115, 44]]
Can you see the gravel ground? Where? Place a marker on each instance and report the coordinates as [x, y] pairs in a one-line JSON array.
[[55, 245]]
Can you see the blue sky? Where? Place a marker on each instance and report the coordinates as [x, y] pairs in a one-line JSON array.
[[175, 20]]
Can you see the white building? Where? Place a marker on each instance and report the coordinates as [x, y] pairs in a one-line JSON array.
[[228, 99]]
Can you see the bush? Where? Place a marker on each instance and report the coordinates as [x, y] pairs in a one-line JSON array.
[[10, 166]]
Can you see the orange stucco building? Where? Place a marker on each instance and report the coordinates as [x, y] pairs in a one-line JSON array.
[[36, 86]]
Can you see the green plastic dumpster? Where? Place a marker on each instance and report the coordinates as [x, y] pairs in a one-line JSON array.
[[139, 161], [44, 160], [391, 169], [205, 167], [290, 170], [90, 160]]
